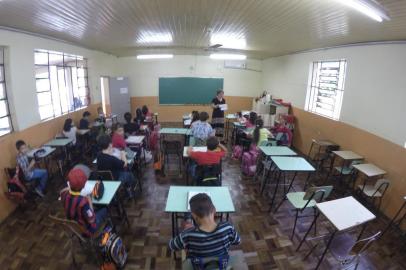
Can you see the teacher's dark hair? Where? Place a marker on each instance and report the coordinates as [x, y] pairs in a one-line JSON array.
[[220, 91]]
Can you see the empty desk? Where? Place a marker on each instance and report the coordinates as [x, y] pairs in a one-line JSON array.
[[344, 214]]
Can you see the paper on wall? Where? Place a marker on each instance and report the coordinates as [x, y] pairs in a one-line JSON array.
[[124, 90]]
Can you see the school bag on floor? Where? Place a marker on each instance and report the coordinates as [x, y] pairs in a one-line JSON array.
[[249, 162], [113, 250], [16, 190], [237, 152]]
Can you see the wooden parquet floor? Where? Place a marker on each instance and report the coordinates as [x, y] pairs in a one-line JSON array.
[[30, 241]]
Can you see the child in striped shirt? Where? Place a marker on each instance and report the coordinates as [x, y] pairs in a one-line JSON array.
[[207, 239]]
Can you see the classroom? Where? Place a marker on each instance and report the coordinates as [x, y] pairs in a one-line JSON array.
[[202, 134]]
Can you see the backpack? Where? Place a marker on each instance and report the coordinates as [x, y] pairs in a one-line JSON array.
[[16, 190], [112, 249], [249, 162], [237, 152]]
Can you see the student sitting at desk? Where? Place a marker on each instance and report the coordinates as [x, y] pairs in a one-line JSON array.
[[201, 129], [84, 122], [195, 117], [130, 127], [139, 117], [146, 113], [118, 139], [69, 130], [251, 120], [80, 208], [260, 134], [207, 239], [28, 167], [106, 161], [241, 118]]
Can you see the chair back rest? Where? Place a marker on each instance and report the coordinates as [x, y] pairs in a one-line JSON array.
[[70, 227], [332, 148], [211, 263], [172, 147], [382, 185], [318, 194], [360, 246], [10, 172], [209, 174], [101, 175], [355, 162]]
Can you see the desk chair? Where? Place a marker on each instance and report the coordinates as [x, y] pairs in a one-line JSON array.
[[209, 263], [347, 175], [347, 251], [22, 197], [306, 200], [208, 175], [173, 148], [75, 232], [376, 191], [101, 175]]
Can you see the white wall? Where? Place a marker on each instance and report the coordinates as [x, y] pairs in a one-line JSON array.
[[144, 74], [20, 74], [375, 86]]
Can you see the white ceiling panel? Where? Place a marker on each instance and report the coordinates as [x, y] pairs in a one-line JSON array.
[[259, 28]]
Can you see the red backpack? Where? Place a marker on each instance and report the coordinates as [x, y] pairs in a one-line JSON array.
[[249, 162], [16, 190]]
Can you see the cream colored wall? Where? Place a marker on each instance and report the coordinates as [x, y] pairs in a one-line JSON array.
[[375, 85], [21, 74], [144, 74]]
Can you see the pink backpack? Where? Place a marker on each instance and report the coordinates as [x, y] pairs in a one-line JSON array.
[[237, 152], [249, 162]]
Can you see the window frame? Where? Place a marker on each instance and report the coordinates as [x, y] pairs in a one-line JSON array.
[[59, 109], [312, 94], [6, 97]]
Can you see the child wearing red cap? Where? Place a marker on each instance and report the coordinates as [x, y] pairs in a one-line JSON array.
[[80, 208]]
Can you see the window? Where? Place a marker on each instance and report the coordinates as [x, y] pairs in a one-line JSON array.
[[5, 119], [326, 88], [61, 82]]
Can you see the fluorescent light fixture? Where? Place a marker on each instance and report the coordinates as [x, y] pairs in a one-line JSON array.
[[229, 41], [368, 7], [154, 37], [226, 56], [154, 56]]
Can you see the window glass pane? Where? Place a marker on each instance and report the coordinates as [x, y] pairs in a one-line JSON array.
[[44, 98], [41, 72], [42, 85], [2, 91], [1, 73], [46, 112], [1, 56], [70, 60], [56, 101], [82, 72], [3, 108], [84, 101], [5, 126], [63, 93], [41, 58], [82, 82], [55, 59], [83, 91]]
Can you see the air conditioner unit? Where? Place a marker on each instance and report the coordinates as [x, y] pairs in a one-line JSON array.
[[238, 64]]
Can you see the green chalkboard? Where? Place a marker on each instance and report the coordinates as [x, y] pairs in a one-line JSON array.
[[188, 90]]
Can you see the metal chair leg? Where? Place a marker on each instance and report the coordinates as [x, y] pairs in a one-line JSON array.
[[294, 225]]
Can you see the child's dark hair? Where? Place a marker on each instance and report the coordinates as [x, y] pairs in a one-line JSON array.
[[68, 125], [239, 114], [104, 141], [212, 143], [144, 109], [128, 117], [253, 117], [201, 205], [203, 116], [220, 91], [86, 114], [258, 125], [195, 116], [19, 143]]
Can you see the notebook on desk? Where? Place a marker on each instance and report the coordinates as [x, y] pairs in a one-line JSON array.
[[190, 194]]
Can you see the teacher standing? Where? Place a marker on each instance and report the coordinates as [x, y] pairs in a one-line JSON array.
[[217, 118]]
